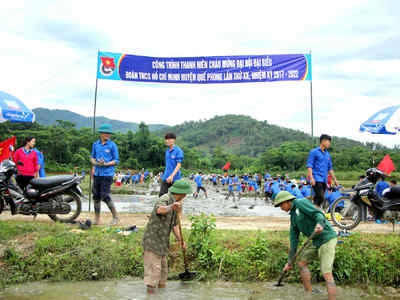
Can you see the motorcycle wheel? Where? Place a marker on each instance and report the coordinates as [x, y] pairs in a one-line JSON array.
[[345, 213], [76, 206], [1, 205]]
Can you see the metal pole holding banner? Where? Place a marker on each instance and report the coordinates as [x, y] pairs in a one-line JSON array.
[[94, 128], [312, 109]]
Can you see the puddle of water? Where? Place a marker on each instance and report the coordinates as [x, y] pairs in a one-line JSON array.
[[215, 204], [130, 289]]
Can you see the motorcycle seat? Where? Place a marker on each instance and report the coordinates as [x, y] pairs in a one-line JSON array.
[[51, 181], [391, 204], [393, 193]]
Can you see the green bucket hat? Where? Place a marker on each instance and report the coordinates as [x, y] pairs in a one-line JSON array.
[[181, 187], [105, 128], [282, 197]]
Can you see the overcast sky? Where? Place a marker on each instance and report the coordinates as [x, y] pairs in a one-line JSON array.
[[49, 56]]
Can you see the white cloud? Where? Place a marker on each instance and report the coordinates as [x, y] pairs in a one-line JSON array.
[[49, 53]]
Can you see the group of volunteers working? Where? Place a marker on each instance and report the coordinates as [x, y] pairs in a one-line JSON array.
[[305, 216], [248, 185]]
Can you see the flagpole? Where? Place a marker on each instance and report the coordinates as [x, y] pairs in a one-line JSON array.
[[94, 125], [373, 154], [311, 107]]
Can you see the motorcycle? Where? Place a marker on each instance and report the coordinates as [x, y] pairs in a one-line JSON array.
[[346, 211], [57, 196]]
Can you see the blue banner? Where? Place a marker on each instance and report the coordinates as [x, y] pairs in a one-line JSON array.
[[200, 70]]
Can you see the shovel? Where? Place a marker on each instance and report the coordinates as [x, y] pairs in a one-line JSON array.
[[293, 259], [187, 275]]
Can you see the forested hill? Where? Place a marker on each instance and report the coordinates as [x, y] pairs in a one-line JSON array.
[[241, 134], [237, 134], [50, 117], [250, 145]]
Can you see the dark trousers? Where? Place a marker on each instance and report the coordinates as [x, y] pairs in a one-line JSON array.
[[101, 192], [319, 193], [164, 188], [102, 188], [201, 188], [23, 181], [268, 196]]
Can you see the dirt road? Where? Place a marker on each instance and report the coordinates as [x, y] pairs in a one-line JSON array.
[[236, 223]]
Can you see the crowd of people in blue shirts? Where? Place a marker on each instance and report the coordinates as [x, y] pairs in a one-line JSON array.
[[131, 177], [255, 183]]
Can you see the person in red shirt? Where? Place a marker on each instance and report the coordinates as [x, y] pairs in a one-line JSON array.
[[27, 162]]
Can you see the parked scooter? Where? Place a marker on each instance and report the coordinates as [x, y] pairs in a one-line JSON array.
[[57, 196], [346, 211]]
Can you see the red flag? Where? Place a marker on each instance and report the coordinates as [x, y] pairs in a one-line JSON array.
[[226, 166], [386, 165], [7, 148]]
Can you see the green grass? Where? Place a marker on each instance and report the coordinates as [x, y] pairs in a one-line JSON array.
[[37, 251]]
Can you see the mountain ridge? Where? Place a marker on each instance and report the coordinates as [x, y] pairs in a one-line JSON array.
[[45, 116], [244, 135], [238, 134]]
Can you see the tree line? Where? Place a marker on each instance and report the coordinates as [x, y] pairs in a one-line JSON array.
[[67, 148]]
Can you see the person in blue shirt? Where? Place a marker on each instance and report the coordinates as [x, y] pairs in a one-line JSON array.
[[250, 183], [331, 195], [305, 190], [127, 178], [288, 185], [198, 179], [223, 180], [214, 179], [319, 166], [257, 178], [267, 190], [253, 186], [40, 159], [135, 178], [104, 158], [246, 178], [296, 192], [231, 187], [267, 175], [237, 184], [236, 181], [275, 189], [173, 163], [233, 184], [381, 186]]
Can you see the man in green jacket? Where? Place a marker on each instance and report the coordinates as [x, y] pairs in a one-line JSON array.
[[306, 218], [162, 222]]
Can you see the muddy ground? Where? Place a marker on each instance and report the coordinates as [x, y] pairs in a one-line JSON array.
[[135, 210], [236, 223]]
